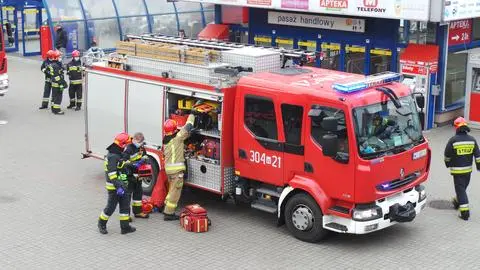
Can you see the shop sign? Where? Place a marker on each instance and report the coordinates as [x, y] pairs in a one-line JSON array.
[[393, 9], [418, 70], [460, 32], [259, 2], [315, 21], [295, 4], [334, 4], [460, 9]]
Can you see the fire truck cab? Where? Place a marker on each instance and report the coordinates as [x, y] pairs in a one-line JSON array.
[[329, 150], [322, 150]]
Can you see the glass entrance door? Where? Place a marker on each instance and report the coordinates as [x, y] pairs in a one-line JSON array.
[[355, 59], [31, 20], [330, 55], [10, 27], [264, 41]]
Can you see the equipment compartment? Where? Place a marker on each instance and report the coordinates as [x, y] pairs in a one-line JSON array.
[[204, 174]]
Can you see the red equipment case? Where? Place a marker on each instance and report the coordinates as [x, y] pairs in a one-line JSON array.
[[194, 218]]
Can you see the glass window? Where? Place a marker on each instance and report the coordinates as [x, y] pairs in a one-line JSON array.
[[134, 25], [191, 23], [160, 7], [355, 59], [382, 128], [105, 32], [264, 41], [209, 16], [330, 56], [98, 9], [317, 130], [282, 42], [456, 75], [260, 117], [165, 25], [187, 6], [292, 123], [422, 32], [380, 60], [476, 29], [130, 7], [208, 6], [476, 80], [62, 10]]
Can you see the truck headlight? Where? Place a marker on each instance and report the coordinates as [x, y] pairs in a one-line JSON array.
[[422, 194], [366, 214]]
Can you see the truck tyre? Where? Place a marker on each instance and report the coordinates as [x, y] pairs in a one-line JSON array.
[[147, 183], [304, 218]]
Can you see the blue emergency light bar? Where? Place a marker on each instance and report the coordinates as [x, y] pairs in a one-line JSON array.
[[367, 82]]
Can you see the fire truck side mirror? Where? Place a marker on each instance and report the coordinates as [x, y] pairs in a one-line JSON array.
[[330, 145], [420, 101]]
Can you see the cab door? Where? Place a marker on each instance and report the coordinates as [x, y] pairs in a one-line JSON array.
[[335, 176], [259, 147]]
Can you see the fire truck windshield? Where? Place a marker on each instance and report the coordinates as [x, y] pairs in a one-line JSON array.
[[385, 129]]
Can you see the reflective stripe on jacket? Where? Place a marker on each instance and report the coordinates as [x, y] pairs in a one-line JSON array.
[[173, 151], [461, 150]]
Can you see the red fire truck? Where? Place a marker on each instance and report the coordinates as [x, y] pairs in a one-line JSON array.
[[323, 150], [3, 67]]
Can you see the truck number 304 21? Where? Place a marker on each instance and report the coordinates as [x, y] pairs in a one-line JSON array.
[[262, 158]]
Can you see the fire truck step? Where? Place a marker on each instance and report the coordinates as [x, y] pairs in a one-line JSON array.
[[337, 227], [270, 192], [263, 207]]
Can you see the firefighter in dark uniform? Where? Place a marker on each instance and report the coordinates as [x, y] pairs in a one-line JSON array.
[[116, 185], [460, 151], [55, 69], [75, 74], [48, 80], [134, 153]]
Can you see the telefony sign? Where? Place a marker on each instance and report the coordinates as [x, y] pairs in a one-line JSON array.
[[314, 21]]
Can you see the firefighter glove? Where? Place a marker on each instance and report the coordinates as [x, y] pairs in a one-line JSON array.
[[120, 191]]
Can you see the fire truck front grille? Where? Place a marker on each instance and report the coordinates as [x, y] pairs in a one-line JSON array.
[[398, 183]]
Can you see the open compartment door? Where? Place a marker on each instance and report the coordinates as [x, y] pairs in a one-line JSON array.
[[104, 111]]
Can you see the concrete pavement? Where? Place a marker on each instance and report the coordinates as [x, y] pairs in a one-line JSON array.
[[50, 200]]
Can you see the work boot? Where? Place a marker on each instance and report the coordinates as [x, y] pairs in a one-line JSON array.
[[102, 226], [455, 203], [465, 215], [59, 112], [170, 217], [142, 215], [72, 104], [43, 106], [78, 108], [129, 229]]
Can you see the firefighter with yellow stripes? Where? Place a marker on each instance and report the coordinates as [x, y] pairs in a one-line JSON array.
[[75, 74], [461, 150], [116, 185], [134, 152], [174, 155], [55, 69]]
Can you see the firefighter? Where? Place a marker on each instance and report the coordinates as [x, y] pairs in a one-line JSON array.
[[459, 154], [75, 74], [56, 71], [116, 185], [173, 151], [135, 154], [48, 80]]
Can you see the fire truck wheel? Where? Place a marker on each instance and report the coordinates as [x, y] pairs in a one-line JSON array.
[[304, 218], [149, 183]]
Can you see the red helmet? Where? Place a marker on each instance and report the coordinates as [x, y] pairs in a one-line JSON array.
[[170, 127], [122, 139], [459, 122], [56, 54], [75, 53], [50, 54]]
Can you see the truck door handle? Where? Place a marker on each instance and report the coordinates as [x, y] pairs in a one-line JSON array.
[[242, 153], [308, 167]]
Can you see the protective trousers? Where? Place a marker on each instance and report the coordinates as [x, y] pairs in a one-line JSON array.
[[57, 94], [75, 93], [46, 94], [135, 187], [175, 184], [461, 182], [124, 204]]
